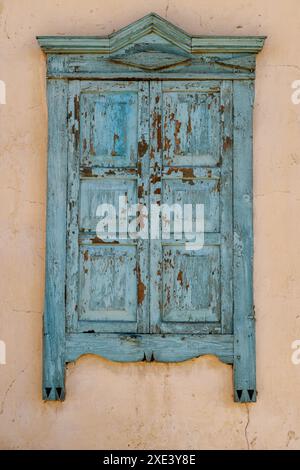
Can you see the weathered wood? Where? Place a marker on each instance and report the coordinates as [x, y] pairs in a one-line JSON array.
[[54, 313], [226, 209], [151, 48], [72, 280], [162, 117], [191, 141], [244, 334], [139, 75], [223, 66], [155, 190], [107, 281], [149, 347], [143, 183], [149, 24]]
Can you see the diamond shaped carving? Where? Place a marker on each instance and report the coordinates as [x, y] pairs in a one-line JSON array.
[[151, 60]]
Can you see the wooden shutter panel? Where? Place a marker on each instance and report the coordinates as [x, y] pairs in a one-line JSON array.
[[106, 281], [191, 290], [162, 117]]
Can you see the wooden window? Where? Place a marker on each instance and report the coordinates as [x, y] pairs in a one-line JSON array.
[[159, 118]]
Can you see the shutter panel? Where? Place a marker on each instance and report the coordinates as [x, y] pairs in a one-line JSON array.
[[107, 279], [191, 290]]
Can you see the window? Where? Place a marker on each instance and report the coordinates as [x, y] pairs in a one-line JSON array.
[[145, 128]]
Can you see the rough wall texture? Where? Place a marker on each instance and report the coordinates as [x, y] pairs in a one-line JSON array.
[[188, 405]]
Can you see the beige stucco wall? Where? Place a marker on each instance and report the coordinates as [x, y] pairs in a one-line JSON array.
[[135, 406]]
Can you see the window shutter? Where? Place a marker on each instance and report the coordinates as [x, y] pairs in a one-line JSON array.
[[149, 120]]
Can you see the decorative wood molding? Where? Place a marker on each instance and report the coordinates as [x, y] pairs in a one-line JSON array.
[[150, 24], [154, 347]]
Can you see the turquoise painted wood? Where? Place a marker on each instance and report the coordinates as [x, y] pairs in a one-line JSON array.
[[107, 283], [162, 118], [149, 347], [244, 333], [160, 29], [190, 291], [54, 310]]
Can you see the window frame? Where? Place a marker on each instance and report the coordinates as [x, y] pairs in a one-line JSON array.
[[229, 59]]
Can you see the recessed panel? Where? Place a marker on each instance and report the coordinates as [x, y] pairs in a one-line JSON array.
[[108, 286], [191, 128], [108, 128], [98, 196], [191, 284], [205, 192]]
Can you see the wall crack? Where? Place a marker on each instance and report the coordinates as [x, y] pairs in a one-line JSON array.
[[7, 392], [246, 427]]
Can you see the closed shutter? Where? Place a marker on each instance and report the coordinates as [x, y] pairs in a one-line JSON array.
[[149, 129], [113, 285]]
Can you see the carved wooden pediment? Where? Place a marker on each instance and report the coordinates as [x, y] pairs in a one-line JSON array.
[[151, 29]]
